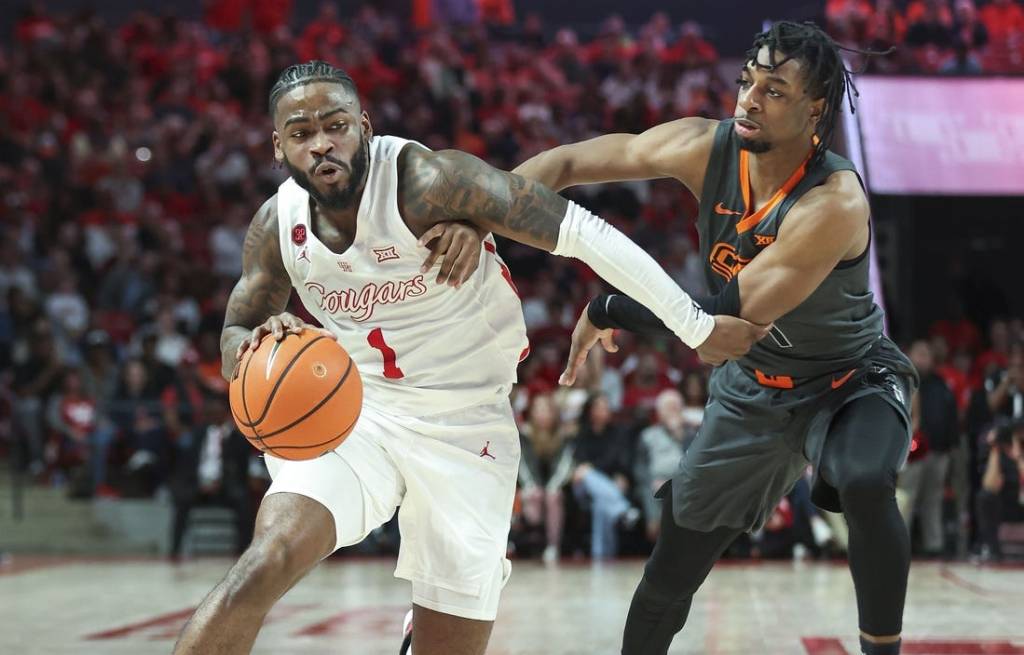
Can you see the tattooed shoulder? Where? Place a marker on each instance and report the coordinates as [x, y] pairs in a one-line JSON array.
[[261, 248], [264, 287]]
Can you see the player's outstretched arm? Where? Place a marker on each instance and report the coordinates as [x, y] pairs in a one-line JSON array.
[[449, 185], [678, 149], [257, 303]]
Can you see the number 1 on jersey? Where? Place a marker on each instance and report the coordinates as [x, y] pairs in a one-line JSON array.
[[376, 340]]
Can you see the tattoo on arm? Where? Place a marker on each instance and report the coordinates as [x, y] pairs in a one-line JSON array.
[[264, 288], [454, 186]]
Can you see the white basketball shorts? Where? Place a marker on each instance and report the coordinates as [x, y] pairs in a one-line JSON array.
[[454, 477]]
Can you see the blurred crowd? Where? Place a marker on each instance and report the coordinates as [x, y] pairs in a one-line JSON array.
[[132, 157], [954, 37]]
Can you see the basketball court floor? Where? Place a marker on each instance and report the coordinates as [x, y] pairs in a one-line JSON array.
[[110, 607]]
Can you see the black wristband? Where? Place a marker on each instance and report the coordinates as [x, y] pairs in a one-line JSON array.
[[623, 313], [727, 302]]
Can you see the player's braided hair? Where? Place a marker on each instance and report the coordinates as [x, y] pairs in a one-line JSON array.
[[307, 73], [827, 75]]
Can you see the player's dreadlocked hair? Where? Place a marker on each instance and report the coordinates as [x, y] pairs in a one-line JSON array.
[[827, 75], [307, 73]]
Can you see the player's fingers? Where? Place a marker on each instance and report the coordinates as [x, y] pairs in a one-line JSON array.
[[276, 328], [435, 250], [469, 260], [431, 234], [451, 264], [608, 341], [291, 320], [428, 263], [578, 352], [568, 376], [450, 253], [257, 335]]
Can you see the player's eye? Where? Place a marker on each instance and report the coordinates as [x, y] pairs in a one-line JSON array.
[[338, 126], [742, 83], [299, 134], [774, 93]]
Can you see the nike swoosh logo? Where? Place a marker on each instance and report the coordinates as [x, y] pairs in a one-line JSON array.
[[838, 382], [721, 209]]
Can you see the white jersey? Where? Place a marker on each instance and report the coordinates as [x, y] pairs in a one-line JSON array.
[[421, 348]]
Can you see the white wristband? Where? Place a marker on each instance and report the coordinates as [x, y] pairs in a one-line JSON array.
[[625, 265]]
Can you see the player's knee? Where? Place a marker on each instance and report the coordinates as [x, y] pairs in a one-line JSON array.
[[266, 569], [865, 491]]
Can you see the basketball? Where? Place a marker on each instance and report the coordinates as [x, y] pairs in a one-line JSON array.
[[297, 398]]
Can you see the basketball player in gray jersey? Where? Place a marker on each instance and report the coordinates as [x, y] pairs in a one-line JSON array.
[[784, 236]]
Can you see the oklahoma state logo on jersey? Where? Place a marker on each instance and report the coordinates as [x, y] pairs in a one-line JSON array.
[[360, 303], [726, 261]]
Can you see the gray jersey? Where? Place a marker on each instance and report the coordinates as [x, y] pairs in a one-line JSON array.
[[838, 324]]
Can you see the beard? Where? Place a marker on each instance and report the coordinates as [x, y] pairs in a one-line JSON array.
[[336, 198], [754, 145]]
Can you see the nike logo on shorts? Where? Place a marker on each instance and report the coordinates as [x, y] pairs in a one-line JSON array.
[[838, 382]]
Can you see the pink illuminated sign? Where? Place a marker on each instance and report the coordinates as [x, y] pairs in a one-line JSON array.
[[946, 136]]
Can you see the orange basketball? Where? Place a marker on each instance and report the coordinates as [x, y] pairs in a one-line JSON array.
[[297, 398]]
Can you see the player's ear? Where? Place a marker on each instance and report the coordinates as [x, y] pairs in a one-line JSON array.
[[817, 107], [278, 152], [367, 125]]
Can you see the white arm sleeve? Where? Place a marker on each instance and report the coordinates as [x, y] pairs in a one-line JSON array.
[[625, 265]]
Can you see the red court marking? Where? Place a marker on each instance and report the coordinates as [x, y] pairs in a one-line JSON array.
[[832, 646], [171, 618], [370, 621], [167, 626], [171, 631], [955, 578], [20, 564], [941, 647], [823, 646]]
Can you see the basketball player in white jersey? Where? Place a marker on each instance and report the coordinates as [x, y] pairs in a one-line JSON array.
[[436, 435]]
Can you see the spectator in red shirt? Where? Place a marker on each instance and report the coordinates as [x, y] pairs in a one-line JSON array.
[[919, 10], [954, 370], [959, 332], [849, 21], [691, 49], [1004, 19], [643, 387], [324, 33]]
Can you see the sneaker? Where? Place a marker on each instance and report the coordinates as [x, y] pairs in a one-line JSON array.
[[550, 554], [406, 648]]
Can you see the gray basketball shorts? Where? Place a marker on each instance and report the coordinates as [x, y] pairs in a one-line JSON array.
[[756, 441]]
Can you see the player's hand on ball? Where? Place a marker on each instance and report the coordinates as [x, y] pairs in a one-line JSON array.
[[278, 326], [732, 338], [458, 246], [584, 336]]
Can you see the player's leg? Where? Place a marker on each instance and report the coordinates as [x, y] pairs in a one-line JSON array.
[[607, 504], [438, 633], [554, 520], [863, 451], [293, 533], [454, 519], [313, 507], [932, 492], [681, 560]]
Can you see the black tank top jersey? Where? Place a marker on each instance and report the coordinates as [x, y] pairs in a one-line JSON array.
[[838, 324]]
